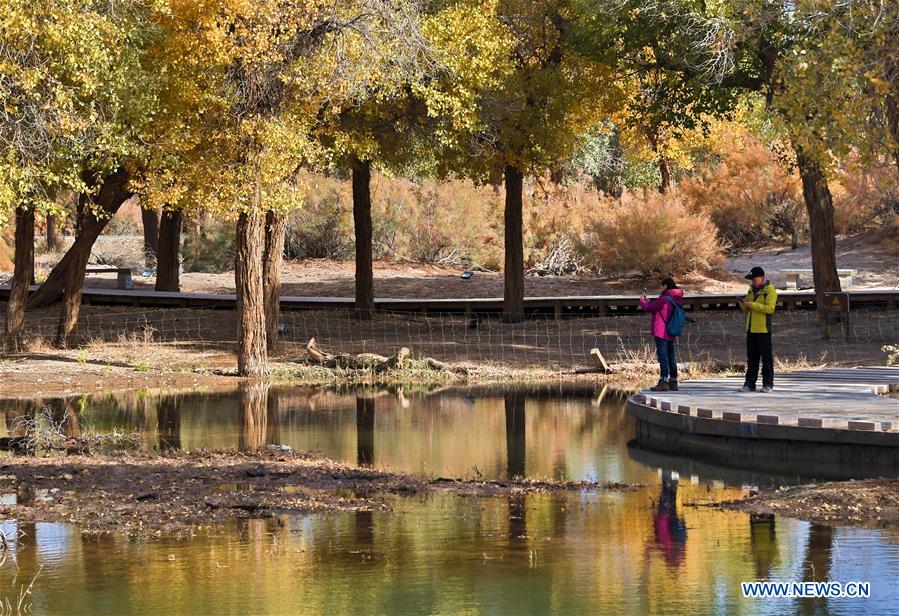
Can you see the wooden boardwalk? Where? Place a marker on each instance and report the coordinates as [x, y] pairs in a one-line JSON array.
[[839, 399], [586, 305], [838, 423]]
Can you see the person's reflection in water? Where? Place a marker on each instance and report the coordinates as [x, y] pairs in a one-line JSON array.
[[168, 422], [365, 430], [670, 529], [253, 408], [763, 542], [515, 441]]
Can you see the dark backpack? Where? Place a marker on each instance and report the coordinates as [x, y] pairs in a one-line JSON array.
[[675, 324]]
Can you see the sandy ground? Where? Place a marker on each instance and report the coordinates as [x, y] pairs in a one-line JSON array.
[[877, 264], [37, 375], [873, 503], [146, 494], [878, 267]]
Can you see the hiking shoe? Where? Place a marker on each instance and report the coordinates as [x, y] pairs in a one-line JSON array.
[[745, 389], [766, 389], [660, 386], [672, 385]]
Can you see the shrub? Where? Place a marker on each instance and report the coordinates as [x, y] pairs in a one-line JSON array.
[[319, 230], [7, 247], [555, 217], [118, 253], [449, 223], [208, 246], [127, 220], [653, 235], [864, 196], [749, 197]]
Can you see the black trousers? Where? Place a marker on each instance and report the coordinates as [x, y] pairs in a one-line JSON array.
[[758, 347]]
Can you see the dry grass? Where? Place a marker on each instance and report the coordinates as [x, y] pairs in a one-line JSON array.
[[654, 235]]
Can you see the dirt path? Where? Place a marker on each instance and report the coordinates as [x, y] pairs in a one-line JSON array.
[[151, 495]]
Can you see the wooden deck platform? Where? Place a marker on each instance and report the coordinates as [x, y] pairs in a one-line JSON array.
[[586, 305], [813, 419]]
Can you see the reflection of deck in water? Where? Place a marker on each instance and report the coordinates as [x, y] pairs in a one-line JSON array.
[[819, 423]]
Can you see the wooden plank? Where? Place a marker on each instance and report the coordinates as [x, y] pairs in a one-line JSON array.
[[599, 361]]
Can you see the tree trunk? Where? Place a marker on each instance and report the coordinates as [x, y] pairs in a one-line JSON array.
[[168, 422], [819, 204], [891, 74], [893, 122], [665, 181], [275, 230], [365, 294], [513, 288], [112, 194], [54, 239], [610, 180], [73, 280], [150, 219], [252, 358], [665, 173], [21, 280], [168, 266]]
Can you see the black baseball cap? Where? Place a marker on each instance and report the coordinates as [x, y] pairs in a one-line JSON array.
[[755, 272]]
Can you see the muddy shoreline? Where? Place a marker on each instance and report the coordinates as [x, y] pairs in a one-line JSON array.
[[871, 503], [146, 495]]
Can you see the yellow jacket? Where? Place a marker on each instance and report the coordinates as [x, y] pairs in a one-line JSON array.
[[761, 307]]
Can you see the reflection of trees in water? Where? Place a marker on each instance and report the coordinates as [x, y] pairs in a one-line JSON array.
[[518, 521], [274, 419], [364, 526], [816, 567], [763, 542], [18, 414], [515, 436], [253, 409], [365, 430], [168, 422]]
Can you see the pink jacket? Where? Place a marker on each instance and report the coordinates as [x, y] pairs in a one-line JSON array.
[[662, 310]]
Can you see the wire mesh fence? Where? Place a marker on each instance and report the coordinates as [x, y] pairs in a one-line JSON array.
[[535, 341]]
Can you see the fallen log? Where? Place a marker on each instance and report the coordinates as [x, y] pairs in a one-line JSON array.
[[362, 361], [442, 367], [371, 361]]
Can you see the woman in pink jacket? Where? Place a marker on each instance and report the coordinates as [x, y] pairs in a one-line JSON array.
[[661, 309]]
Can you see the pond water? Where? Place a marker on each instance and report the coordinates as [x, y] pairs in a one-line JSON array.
[[653, 550]]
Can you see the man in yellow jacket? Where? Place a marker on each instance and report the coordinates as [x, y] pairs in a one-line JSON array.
[[759, 304]]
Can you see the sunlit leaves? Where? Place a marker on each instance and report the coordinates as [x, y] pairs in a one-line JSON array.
[[74, 90]]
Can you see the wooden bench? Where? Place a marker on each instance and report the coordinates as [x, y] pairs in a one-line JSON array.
[[123, 274], [793, 275]]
